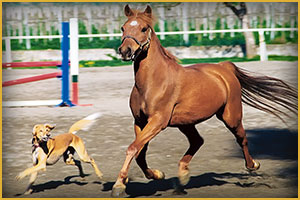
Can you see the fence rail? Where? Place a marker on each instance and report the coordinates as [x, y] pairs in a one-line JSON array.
[[157, 33], [262, 44]]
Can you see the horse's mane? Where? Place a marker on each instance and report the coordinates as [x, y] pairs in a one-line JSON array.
[[150, 20], [165, 52]]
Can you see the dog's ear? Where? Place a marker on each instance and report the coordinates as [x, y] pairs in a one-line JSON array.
[[49, 127], [34, 130]]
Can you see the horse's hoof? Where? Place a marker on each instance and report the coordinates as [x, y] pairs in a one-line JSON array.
[[118, 190], [158, 175], [255, 167], [184, 177]]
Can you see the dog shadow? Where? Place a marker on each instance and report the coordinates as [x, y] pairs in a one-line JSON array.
[[152, 188], [55, 184]]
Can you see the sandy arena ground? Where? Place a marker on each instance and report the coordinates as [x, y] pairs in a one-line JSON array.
[[217, 170]]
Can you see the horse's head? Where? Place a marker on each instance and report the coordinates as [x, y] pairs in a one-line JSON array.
[[136, 33]]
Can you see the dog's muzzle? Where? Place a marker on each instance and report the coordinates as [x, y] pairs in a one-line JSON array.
[[46, 138]]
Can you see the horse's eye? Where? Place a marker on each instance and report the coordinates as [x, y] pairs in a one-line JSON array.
[[122, 29], [144, 29]]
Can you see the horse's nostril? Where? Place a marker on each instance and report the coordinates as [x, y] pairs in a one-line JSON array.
[[128, 51], [125, 52], [119, 50]]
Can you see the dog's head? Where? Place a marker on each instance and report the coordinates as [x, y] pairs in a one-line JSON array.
[[41, 132]]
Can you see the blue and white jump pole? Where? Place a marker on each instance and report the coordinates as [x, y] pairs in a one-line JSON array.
[[69, 33], [65, 65]]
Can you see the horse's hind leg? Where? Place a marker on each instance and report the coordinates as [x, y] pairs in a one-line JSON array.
[[240, 134], [232, 117], [141, 160], [196, 142]]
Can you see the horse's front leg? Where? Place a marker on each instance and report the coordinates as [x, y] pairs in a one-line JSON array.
[[154, 126], [141, 159]]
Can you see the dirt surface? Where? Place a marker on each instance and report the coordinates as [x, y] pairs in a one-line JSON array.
[[217, 170]]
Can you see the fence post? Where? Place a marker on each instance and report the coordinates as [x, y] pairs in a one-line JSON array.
[[8, 51], [74, 58], [161, 21], [185, 22], [27, 30], [262, 47]]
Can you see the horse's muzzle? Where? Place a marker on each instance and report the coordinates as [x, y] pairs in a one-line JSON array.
[[126, 53]]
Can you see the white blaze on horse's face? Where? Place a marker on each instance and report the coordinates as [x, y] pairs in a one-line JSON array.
[[134, 23]]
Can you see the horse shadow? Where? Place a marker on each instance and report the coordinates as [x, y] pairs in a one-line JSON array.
[[152, 188], [271, 143], [50, 185], [281, 144]]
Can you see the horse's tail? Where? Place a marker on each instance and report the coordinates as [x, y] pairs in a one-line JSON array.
[[267, 93]]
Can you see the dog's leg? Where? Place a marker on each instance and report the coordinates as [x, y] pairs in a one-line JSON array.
[[31, 170], [31, 181], [86, 158], [33, 175], [83, 155], [69, 160], [41, 165]]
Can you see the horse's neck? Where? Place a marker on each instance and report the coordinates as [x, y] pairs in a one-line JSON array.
[[152, 65]]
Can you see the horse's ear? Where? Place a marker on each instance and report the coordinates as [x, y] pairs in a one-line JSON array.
[[127, 10], [148, 11]]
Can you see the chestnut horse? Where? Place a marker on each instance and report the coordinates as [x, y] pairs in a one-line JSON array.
[[167, 94]]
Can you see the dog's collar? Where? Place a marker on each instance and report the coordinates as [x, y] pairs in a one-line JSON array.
[[35, 146], [42, 145]]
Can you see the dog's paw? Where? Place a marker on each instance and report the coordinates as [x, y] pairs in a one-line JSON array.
[[20, 176], [100, 175], [28, 192]]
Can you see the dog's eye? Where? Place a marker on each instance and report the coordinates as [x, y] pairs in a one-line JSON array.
[[144, 29], [122, 29]]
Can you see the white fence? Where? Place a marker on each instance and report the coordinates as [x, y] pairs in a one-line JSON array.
[[262, 45]]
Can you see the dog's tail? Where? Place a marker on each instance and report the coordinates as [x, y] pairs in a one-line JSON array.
[[85, 123]]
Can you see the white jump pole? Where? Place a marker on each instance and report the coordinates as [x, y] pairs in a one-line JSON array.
[[31, 103], [74, 58]]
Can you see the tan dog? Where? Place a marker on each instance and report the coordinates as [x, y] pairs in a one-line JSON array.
[[47, 150]]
